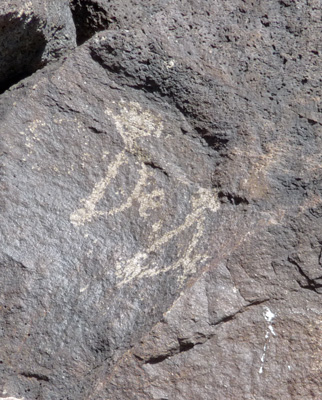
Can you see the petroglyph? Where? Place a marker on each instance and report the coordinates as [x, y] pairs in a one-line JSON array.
[[32, 135], [134, 123], [87, 212], [11, 398], [146, 200], [139, 267]]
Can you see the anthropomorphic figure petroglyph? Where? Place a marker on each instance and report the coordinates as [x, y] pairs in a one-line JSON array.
[[133, 124]]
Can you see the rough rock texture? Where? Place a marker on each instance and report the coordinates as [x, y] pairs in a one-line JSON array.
[[160, 200], [32, 34]]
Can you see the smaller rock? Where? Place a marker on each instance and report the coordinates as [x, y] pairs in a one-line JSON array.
[[33, 33]]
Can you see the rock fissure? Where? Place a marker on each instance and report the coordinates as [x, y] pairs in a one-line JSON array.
[[183, 346], [89, 18], [311, 284], [153, 165], [27, 37], [186, 344], [39, 377]]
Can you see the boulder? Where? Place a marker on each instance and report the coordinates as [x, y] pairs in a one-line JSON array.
[[33, 33], [160, 204]]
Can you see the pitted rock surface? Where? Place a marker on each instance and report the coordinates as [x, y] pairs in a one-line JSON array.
[[160, 200], [33, 34]]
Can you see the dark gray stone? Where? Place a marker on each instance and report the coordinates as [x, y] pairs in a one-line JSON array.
[[161, 203], [32, 34]]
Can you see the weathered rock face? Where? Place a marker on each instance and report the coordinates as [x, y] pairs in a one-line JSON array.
[[160, 200], [33, 33]]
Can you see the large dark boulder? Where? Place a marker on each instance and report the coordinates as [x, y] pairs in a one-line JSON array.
[[160, 220]]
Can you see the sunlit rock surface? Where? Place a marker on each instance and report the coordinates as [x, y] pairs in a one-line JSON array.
[[160, 200]]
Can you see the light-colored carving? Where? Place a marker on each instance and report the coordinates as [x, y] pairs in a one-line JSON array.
[[269, 317], [136, 267], [133, 122], [147, 201], [87, 212]]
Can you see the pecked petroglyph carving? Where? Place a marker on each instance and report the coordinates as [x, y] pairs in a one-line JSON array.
[[88, 211], [139, 267], [146, 200], [134, 123]]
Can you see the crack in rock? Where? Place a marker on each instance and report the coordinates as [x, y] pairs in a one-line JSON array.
[[89, 18]]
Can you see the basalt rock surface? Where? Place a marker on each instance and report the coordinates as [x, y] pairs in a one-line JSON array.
[[161, 182], [33, 34]]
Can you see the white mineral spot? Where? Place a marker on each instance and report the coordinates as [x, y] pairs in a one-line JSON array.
[[83, 289], [170, 64], [268, 315], [11, 398], [270, 327]]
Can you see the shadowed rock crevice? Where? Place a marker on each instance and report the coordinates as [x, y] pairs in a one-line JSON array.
[[234, 199], [153, 165], [201, 337], [89, 18], [32, 35], [39, 377], [305, 281], [23, 43], [183, 345], [158, 359]]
